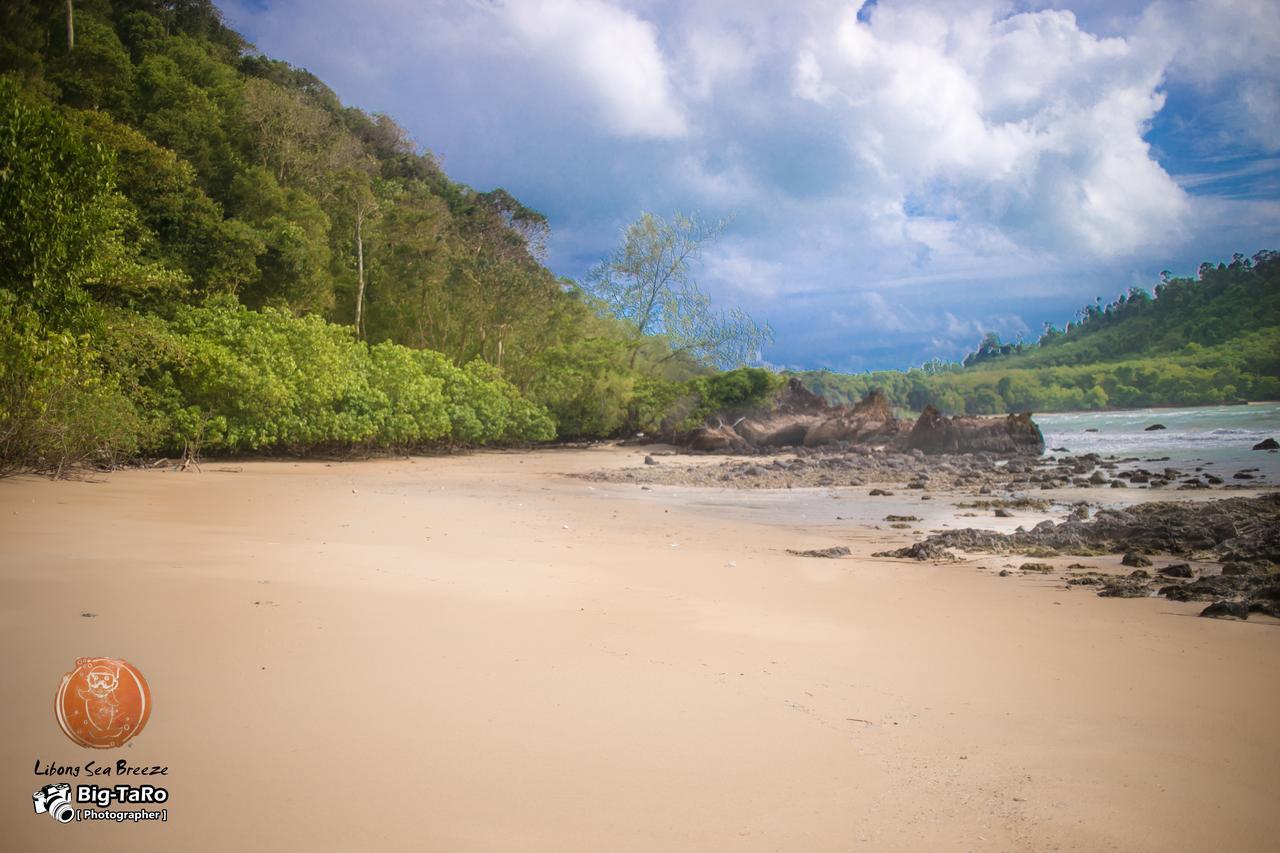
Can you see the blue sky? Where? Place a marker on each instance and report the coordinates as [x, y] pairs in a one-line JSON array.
[[902, 175]]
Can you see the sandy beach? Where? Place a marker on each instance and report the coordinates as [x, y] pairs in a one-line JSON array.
[[478, 652]]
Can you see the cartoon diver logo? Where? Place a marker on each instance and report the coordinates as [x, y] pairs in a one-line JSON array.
[[56, 800], [103, 702]]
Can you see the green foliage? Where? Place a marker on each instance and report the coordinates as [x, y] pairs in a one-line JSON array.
[[730, 392], [190, 230], [57, 405], [647, 283], [258, 380], [1195, 342]]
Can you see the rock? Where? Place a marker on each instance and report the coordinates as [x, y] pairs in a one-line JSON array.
[[1039, 568], [1178, 570], [1267, 444], [870, 420], [1013, 434], [1226, 610], [925, 550], [1001, 512], [1004, 573], [880, 493], [649, 460], [1270, 608], [829, 553], [1154, 427], [1230, 569], [1124, 588], [1140, 574], [1084, 582], [717, 439], [1234, 529], [900, 518]]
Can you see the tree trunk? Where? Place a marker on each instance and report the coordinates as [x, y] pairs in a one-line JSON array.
[[360, 275], [71, 27]]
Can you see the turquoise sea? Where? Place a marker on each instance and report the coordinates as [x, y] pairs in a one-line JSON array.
[[1218, 438]]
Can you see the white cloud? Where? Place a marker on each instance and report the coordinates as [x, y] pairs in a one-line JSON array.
[[609, 51], [981, 157], [1020, 123], [1228, 45]]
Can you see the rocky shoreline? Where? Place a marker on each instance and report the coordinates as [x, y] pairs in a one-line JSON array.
[[1241, 533]]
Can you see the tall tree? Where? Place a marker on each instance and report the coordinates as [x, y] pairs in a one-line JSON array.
[[647, 283]]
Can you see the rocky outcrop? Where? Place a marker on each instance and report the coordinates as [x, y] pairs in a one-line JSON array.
[[799, 418], [1010, 435], [1242, 530], [869, 422]]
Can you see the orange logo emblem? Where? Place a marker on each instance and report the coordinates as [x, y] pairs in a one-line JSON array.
[[103, 702]]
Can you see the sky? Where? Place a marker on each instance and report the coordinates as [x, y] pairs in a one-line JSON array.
[[900, 176]]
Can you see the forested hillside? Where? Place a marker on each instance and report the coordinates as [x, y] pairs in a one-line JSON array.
[[202, 249], [1211, 339]]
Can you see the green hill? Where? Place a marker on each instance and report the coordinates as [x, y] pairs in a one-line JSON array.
[[202, 248], [1211, 339]]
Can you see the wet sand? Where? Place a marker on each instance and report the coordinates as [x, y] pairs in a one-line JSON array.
[[480, 653]]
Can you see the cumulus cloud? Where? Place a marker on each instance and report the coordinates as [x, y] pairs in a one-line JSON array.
[[884, 163], [610, 51], [1024, 123]]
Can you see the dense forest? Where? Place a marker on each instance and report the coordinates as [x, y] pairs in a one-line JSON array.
[[1192, 341], [202, 249]]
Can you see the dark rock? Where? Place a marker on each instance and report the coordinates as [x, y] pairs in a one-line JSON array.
[[900, 518], [1226, 610], [1270, 608], [1178, 570], [880, 493], [1124, 588], [1090, 581], [1004, 573], [1134, 559], [1267, 444], [1001, 512], [1154, 427], [829, 553], [925, 550], [1140, 574], [1013, 434], [649, 460], [1039, 568]]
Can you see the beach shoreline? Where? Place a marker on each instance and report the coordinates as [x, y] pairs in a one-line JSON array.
[[481, 652]]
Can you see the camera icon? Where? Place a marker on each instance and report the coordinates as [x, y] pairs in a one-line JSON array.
[[56, 800]]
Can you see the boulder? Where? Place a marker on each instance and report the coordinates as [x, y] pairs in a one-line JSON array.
[[717, 439], [1267, 444], [1155, 427], [1226, 610], [1013, 434]]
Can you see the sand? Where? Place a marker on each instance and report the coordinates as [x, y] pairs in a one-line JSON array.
[[479, 653]]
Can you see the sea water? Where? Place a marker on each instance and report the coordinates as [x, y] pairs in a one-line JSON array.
[[1217, 438]]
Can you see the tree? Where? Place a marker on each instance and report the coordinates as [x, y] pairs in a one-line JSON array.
[[646, 283]]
